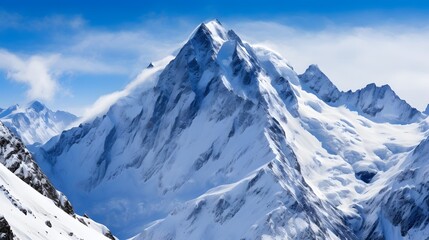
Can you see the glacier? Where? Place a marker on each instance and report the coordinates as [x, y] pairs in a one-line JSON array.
[[231, 143]]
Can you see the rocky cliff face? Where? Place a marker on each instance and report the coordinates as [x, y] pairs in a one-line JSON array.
[[18, 160]]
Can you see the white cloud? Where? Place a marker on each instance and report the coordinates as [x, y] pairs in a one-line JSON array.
[[128, 49], [33, 71], [40, 72], [85, 50], [57, 21], [354, 56], [11, 20]]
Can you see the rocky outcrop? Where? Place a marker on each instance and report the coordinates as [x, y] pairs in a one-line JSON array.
[[5, 231], [18, 160]]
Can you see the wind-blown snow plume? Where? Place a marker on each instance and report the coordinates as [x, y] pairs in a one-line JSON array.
[[145, 80]]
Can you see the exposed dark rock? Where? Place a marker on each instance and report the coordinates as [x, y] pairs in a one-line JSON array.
[[198, 208], [404, 211], [109, 235], [21, 163], [365, 176], [221, 206], [48, 223], [5, 230], [82, 221], [15, 202]]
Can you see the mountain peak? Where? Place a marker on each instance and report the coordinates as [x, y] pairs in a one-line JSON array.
[[313, 67], [378, 103], [314, 80], [9, 110], [381, 104], [384, 87], [377, 91], [35, 123], [36, 106], [213, 23], [212, 30], [426, 110]]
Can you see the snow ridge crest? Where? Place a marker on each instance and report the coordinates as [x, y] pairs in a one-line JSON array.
[[380, 104]]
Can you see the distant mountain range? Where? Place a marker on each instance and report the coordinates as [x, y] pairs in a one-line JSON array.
[[35, 123]]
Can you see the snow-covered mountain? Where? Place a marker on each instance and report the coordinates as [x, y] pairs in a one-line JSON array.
[[380, 104], [231, 143], [35, 123], [30, 206]]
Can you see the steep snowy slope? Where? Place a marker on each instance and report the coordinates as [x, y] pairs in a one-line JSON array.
[[19, 199], [343, 158], [18, 160], [231, 143], [26, 214], [401, 206], [35, 123]]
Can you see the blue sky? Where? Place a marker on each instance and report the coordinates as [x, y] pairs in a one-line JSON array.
[[69, 53]]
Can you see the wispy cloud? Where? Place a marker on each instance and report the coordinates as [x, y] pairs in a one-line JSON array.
[[11, 20], [41, 72], [354, 56], [129, 49], [33, 71], [85, 50]]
